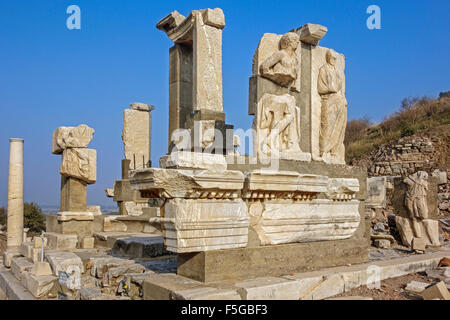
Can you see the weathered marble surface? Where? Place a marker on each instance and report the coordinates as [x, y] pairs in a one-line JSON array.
[[312, 33], [277, 127], [278, 221], [80, 163], [418, 224], [193, 160], [71, 137], [136, 135], [206, 224], [282, 65], [170, 183], [15, 194], [328, 105]]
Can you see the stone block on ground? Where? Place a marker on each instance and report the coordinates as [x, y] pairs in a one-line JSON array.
[[102, 265], [58, 241], [9, 254], [40, 269], [382, 243], [206, 294], [27, 249], [90, 293], [87, 243], [140, 247], [162, 286], [43, 286], [64, 261], [416, 286], [417, 244], [437, 291], [331, 285], [19, 265], [268, 288]]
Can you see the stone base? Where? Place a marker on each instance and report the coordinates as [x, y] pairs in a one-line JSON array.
[[244, 263], [189, 160], [80, 228]]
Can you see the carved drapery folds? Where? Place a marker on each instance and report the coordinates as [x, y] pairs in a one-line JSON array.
[[418, 224], [333, 109], [77, 160]]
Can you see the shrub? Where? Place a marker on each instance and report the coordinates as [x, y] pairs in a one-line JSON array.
[[33, 218]]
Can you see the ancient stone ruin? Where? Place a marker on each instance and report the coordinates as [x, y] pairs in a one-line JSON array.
[[210, 223]]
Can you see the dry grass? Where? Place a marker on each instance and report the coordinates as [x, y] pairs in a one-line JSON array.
[[415, 114]]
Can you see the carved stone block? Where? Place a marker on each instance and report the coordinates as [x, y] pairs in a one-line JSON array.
[[80, 163], [71, 137]]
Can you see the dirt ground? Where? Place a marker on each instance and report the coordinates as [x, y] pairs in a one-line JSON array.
[[391, 289]]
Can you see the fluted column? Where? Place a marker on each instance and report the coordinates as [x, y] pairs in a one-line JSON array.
[[15, 194]]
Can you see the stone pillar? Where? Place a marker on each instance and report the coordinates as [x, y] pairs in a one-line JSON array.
[[15, 194], [136, 134]]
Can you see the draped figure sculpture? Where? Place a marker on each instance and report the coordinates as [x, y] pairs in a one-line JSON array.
[[416, 199], [333, 109]]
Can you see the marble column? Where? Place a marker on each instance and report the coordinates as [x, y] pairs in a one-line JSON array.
[[15, 194]]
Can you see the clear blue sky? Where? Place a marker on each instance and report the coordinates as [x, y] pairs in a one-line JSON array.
[[51, 76]]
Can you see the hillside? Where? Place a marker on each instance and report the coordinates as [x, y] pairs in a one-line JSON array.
[[417, 135]]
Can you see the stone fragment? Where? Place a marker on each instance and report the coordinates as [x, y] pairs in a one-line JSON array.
[[19, 265], [74, 215], [59, 241], [440, 175], [28, 251], [331, 285], [80, 163], [379, 227], [111, 224], [140, 247], [9, 255], [87, 243], [418, 244], [71, 137], [162, 286], [219, 224], [90, 293], [41, 269], [64, 261], [189, 183], [37, 242], [314, 220], [382, 243], [189, 160], [416, 286], [96, 210], [116, 272], [141, 106], [312, 33], [41, 286], [14, 236], [206, 294], [214, 18], [268, 288], [101, 265], [136, 137], [437, 291], [109, 192]]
